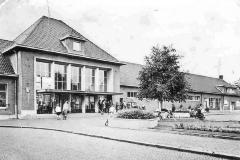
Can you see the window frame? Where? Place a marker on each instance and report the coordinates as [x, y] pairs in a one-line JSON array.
[[79, 83], [90, 75], [75, 48], [103, 86], [56, 81], [6, 96]]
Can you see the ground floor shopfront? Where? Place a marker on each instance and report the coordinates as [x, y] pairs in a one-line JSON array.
[[46, 102]]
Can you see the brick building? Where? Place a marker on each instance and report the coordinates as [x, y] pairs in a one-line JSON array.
[[214, 93], [51, 63]]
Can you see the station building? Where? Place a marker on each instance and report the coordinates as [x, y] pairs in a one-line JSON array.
[[51, 63]]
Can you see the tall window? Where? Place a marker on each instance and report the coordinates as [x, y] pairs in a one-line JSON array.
[[3, 96], [76, 78], [43, 73], [90, 79], [60, 77], [102, 81]]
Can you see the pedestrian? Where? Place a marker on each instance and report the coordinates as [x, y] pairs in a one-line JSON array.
[[103, 106], [117, 106], [107, 105], [58, 111], [100, 106], [110, 114], [65, 110]]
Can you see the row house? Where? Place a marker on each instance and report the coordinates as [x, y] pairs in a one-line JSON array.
[[213, 93]]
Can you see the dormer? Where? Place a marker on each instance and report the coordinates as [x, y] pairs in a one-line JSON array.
[[74, 44], [221, 88]]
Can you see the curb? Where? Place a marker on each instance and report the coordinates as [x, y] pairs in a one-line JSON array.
[[179, 148]]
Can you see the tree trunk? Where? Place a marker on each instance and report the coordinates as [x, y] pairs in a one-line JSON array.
[[160, 105]]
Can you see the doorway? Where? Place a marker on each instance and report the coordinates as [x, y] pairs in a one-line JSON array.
[[61, 99], [90, 105]]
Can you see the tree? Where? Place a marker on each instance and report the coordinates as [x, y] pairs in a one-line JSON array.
[[160, 78]]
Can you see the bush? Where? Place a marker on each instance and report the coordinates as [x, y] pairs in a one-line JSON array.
[[135, 114]]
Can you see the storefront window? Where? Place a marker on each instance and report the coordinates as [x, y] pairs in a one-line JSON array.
[[43, 73], [76, 104], [102, 81], [60, 77], [90, 79], [3, 96], [90, 105], [76, 78], [44, 104]]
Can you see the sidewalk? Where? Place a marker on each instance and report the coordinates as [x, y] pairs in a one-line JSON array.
[[135, 131]]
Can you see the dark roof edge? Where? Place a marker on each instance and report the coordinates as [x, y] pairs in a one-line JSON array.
[[123, 85], [132, 63], [44, 50], [214, 93], [9, 75]]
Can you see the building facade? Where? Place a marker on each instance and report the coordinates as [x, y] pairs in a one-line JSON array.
[[53, 64], [213, 93]]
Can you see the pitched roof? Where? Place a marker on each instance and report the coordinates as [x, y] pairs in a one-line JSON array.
[[5, 64], [198, 83], [205, 84], [129, 74], [46, 34]]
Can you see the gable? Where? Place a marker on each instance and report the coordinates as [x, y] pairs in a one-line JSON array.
[[47, 33]]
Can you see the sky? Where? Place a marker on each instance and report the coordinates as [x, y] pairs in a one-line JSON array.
[[206, 33]]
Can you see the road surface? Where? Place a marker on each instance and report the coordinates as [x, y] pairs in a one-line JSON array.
[[30, 144]]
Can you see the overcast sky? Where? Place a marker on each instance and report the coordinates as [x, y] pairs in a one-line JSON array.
[[205, 32]]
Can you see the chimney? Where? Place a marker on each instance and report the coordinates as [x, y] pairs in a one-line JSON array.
[[220, 76]]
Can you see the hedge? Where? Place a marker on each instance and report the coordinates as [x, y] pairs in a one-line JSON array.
[[135, 114]]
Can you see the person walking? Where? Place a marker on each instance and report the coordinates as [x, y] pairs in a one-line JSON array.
[[58, 111], [65, 110], [110, 114]]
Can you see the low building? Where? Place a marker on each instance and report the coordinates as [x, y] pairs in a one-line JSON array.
[[51, 63], [214, 93]]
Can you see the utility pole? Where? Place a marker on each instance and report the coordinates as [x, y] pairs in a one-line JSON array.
[[219, 65], [48, 8]]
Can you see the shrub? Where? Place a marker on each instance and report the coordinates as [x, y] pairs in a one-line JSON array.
[[135, 114]]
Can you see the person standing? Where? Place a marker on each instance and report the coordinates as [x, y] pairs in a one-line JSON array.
[[65, 110], [58, 111]]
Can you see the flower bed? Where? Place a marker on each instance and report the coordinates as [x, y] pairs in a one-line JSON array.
[[207, 128], [135, 114]]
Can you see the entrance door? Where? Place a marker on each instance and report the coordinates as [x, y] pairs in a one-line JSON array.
[[233, 105], [61, 99], [76, 103], [90, 105], [44, 104]]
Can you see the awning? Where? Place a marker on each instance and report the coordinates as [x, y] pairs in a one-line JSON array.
[[78, 92]]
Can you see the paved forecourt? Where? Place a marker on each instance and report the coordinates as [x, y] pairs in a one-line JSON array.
[[95, 126], [48, 145]]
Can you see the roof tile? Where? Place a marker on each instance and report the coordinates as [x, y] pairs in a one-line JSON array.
[[5, 64]]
